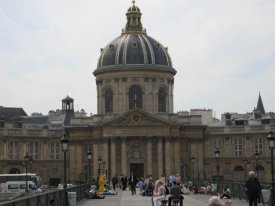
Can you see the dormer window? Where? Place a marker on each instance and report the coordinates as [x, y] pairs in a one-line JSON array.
[[111, 46], [135, 45]]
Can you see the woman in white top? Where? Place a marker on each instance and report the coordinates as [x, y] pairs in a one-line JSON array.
[[160, 194]]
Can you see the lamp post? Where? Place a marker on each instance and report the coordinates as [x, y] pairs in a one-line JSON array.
[[217, 156], [89, 156], [256, 155], [193, 171], [27, 159], [181, 175], [64, 141], [245, 161], [271, 141], [99, 164]]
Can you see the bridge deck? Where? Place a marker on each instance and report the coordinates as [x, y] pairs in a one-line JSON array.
[[124, 198]]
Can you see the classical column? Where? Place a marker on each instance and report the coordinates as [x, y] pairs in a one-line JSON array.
[[177, 156], [95, 157], [123, 157], [160, 157], [149, 157], [113, 158], [167, 156]]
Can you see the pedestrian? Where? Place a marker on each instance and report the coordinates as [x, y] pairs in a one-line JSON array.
[[52, 202], [253, 189], [114, 182], [133, 181]]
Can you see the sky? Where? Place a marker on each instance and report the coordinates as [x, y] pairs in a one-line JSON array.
[[223, 51]]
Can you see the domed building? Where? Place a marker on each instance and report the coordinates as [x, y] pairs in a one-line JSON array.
[[134, 71], [135, 128]]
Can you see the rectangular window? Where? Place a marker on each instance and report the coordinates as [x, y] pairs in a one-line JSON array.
[[238, 147], [13, 150], [258, 146], [55, 150], [33, 150]]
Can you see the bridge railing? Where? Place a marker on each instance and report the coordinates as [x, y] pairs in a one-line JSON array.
[[43, 199], [237, 188]]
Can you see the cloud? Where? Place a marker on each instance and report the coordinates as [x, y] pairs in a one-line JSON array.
[[223, 50]]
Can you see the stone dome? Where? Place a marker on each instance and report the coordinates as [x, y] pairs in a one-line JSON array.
[[134, 49]]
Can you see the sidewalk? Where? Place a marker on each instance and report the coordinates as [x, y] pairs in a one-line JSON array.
[[124, 198]]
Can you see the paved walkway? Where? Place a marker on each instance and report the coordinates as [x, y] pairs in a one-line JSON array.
[[124, 198]]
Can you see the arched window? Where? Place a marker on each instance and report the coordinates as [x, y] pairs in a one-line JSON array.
[[108, 101], [239, 173], [161, 100], [135, 97]]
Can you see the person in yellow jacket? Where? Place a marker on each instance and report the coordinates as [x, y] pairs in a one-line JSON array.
[[101, 182]]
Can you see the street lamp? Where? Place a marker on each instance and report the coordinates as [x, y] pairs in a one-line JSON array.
[[30, 164], [256, 155], [193, 162], [89, 156], [27, 159], [271, 141], [64, 141], [217, 156], [181, 173], [99, 164], [245, 166]]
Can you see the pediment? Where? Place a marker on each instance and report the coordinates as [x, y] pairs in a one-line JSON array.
[[136, 117]]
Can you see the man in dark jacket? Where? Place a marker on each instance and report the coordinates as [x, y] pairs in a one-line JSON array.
[[132, 182], [253, 189], [175, 193]]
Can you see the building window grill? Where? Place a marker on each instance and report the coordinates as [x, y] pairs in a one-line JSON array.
[[258, 145], [108, 101], [55, 150], [238, 147], [135, 97], [13, 150], [161, 100]]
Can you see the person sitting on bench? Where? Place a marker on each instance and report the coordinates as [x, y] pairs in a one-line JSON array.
[[175, 194]]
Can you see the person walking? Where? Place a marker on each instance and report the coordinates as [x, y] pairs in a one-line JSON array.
[[133, 181], [114, 182], [253, 189]]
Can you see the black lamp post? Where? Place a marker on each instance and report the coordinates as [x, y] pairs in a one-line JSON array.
[[181, 168], [64, 141], [27, 159], [89, 156], [217, 156], [256, 155], [271, 141], [193, 170], [245, 161], [99, 164]]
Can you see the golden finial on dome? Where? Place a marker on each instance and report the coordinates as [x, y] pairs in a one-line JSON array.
[[133, 2]]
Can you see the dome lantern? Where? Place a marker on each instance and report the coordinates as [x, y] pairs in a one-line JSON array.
[[133, 20]]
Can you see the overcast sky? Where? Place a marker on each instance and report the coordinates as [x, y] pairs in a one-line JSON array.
[[223, 50]]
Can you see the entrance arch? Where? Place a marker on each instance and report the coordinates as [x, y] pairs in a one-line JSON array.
[[14, 171]]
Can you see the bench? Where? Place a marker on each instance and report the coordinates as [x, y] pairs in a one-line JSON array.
[[164, 202]]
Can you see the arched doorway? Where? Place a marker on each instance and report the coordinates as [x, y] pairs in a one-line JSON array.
[[238, 173], [14, 171], [260, 173]]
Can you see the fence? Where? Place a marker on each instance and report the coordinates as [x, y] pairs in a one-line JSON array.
[[237, 188], [43, 199]]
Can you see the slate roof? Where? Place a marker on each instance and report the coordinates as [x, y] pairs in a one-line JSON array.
[[10, 113]]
